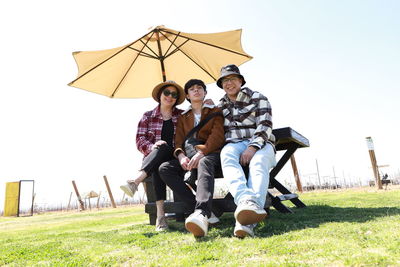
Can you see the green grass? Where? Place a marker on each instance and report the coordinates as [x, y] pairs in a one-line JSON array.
[[345, 228]]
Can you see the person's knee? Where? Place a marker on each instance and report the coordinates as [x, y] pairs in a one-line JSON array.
[[164, 148], [265, 159], [163, 169], [204, 162]]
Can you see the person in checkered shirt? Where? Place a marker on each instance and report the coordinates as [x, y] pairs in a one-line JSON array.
[[249, 142]]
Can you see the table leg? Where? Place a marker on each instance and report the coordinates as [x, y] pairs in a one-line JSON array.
[[275, 184], [278, 205]]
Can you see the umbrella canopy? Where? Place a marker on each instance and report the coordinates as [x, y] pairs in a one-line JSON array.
[[132, 71]]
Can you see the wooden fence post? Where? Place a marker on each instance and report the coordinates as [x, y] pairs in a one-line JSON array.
[[98, 200], [69, 202], [296, 174], [371, 151], [109, 192], [78, 196]]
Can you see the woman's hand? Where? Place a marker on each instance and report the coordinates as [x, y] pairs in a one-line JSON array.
[[157, 144], [184, 161], [194, 162]]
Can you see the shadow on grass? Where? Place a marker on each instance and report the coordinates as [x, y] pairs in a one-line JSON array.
[[310, 217], [279, 223]]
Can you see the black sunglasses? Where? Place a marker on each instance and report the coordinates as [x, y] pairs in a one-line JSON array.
[[166, 92]]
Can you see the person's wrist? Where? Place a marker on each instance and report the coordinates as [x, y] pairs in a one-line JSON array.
[[255, 147]]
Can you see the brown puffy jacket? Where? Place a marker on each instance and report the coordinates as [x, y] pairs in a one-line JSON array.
[[212, 133]]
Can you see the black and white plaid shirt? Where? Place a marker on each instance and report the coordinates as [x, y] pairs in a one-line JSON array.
[[248, 118]]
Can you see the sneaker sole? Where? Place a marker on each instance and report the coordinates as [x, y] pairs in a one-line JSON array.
[[246, 217], [127, 191], [194, 229], [241, 233]]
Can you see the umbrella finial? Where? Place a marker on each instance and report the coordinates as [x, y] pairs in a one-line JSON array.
[[156, 27]]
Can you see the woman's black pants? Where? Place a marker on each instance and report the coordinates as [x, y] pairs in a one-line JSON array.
[[150, 165]]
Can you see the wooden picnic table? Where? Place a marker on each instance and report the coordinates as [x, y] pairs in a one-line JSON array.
[[287, 140]]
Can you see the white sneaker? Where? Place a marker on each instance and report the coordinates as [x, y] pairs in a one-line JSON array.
[[197, 224], [129, 189], [242, 231], [249, 212], [213, 219]]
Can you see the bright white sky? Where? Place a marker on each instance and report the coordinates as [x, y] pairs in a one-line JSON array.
[[329, 68]]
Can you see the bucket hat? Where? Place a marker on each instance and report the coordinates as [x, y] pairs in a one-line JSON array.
[[227, 70]]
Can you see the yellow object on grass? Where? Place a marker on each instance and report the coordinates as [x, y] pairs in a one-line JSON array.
[[12, 198]]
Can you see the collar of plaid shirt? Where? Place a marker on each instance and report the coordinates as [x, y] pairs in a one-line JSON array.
[[156, 113], [244, 96]]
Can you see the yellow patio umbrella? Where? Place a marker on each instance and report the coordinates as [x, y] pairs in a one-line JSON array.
[[132, 70]]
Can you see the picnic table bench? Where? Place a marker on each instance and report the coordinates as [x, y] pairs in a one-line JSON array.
[[287, 140]]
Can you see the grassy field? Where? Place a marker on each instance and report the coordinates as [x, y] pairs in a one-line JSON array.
[[341, 228]]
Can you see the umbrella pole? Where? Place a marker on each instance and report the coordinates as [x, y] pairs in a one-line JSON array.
[[163, 70], [160, 56]]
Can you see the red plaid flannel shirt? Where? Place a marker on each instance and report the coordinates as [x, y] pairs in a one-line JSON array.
[[149, 129]]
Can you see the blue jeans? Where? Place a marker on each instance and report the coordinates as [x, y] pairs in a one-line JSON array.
[[256, 186]]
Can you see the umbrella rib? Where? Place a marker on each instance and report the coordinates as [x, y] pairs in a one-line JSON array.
[[145, 44], [198, 65], [98, 65], [143, 53], [173, 43], [126, 73], [176, 37], [216, 46], [107, 59], [178, 49]]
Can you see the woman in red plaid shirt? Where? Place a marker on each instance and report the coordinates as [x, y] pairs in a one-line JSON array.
[[155, 139]]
